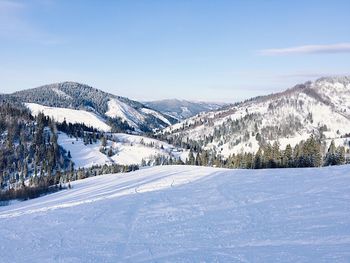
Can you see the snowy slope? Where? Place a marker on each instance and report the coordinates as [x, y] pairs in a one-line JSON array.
[[74, 116], [117, 108], [129, 149], [288, 117], [186, 214], [134, 117], [83, 155]]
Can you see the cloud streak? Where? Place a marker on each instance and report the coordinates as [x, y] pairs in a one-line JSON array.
[[308, 49]]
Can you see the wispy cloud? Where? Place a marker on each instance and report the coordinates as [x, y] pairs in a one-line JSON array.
[[308, 49]]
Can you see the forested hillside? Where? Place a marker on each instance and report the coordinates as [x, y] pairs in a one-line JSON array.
[[31, 160], [319, 109], [121, 113]]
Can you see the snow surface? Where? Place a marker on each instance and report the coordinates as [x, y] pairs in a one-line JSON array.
[[131, 150], [70, 115], [186, 214], [83, 155], [128, 149]]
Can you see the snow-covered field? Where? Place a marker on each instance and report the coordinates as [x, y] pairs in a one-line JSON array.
[[129, 149], [83, 155], [186, 214]]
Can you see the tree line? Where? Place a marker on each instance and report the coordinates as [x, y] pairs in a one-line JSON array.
[[309, 153]]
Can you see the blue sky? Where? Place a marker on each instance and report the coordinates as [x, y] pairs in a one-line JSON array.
[[198, 50]]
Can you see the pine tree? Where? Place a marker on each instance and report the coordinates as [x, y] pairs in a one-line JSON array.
[[340, 155], [248, 160], [110, 152], [1, 180], [25, 168], [312, 153], [258, 159], [103, 141], [276, 155], [288, 156], [191, 158], [204, 158], [331, 155], [268, 159], [197, 160]]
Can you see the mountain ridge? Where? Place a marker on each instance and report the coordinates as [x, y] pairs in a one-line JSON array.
[[320, 107], [76, 96], [182, 109]]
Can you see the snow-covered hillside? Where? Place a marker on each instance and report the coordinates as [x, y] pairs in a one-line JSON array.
[[186, 214], [126, 114], [322, 106], [90, 119], [127, 149], [134, 117]]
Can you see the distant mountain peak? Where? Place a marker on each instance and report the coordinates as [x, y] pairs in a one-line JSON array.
[[182, 109]]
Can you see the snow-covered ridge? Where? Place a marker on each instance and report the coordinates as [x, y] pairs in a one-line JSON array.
[[117, 108], [186, 214], [287, 116], [156, 114]]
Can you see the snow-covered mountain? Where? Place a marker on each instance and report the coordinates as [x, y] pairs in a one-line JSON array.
[[182, 109], [321, 107], [186, 214], [79, 103]]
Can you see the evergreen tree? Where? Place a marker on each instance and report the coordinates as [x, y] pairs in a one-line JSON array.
[[340, 155], [110, 152], [288, 156], [258, 159], [276, 155], [191, 158], [331, 155]]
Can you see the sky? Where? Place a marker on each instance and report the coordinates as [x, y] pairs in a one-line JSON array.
[[197, 50]]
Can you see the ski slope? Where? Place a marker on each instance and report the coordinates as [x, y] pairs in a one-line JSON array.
[[186, 214]]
